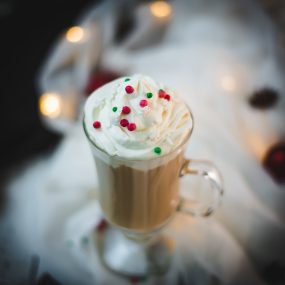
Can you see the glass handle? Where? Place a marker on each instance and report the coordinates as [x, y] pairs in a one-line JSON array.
[[204, 199]]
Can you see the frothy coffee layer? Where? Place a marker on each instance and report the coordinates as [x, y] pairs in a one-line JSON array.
[[139, 200], [136, 118]]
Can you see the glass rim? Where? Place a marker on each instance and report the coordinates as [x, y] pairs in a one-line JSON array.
[[121, 158]]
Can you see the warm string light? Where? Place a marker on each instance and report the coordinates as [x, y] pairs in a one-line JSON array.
[[75, 34], [50, 105], [160, 9], [228, 83]]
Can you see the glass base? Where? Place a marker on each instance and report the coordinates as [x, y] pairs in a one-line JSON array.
[[134, 255]]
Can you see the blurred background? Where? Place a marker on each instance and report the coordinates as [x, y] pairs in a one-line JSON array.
[[227, 57]]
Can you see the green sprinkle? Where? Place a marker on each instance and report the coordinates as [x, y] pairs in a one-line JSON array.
[[127, 79], [84, 240], [149, 95], [115, 109], [157, 150]]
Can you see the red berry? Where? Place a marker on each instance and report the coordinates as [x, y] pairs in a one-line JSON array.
[[143, 103], [132, 127], [124, 122], [161, 93], [167, 97], [126, 110], [97, 125], [129, 89]]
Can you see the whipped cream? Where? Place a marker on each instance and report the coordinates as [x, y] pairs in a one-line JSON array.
[[136, 118]]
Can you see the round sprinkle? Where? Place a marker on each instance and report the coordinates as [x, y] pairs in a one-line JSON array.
[[143, 103], [97, 125], [161, 93], [126, 110], [157, 150], [127, 79], [129, 89], [132, 127], [167, 97], [115, 109], [149, 95], [124, 122]]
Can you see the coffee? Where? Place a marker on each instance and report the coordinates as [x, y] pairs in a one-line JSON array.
[[139, 200]]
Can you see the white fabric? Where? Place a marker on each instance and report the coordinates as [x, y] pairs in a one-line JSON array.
[[215, 55], [58, 205]]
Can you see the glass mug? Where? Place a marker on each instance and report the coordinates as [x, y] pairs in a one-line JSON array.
[[138, 198]]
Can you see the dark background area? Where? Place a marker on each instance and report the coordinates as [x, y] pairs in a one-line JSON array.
[[28, 30]]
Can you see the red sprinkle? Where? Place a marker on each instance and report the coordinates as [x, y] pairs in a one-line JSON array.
[[167, 97], [124, 122], [143, 103], [132, 127], [129, 89], [97, 125], [161, 93], [126, 110]]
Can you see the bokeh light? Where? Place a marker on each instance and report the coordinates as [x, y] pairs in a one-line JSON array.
[[228, 83], [50, 105], [75, 34], [160, 9]]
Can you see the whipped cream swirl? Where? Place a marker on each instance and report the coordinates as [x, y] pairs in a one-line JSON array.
[[136, 118]]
